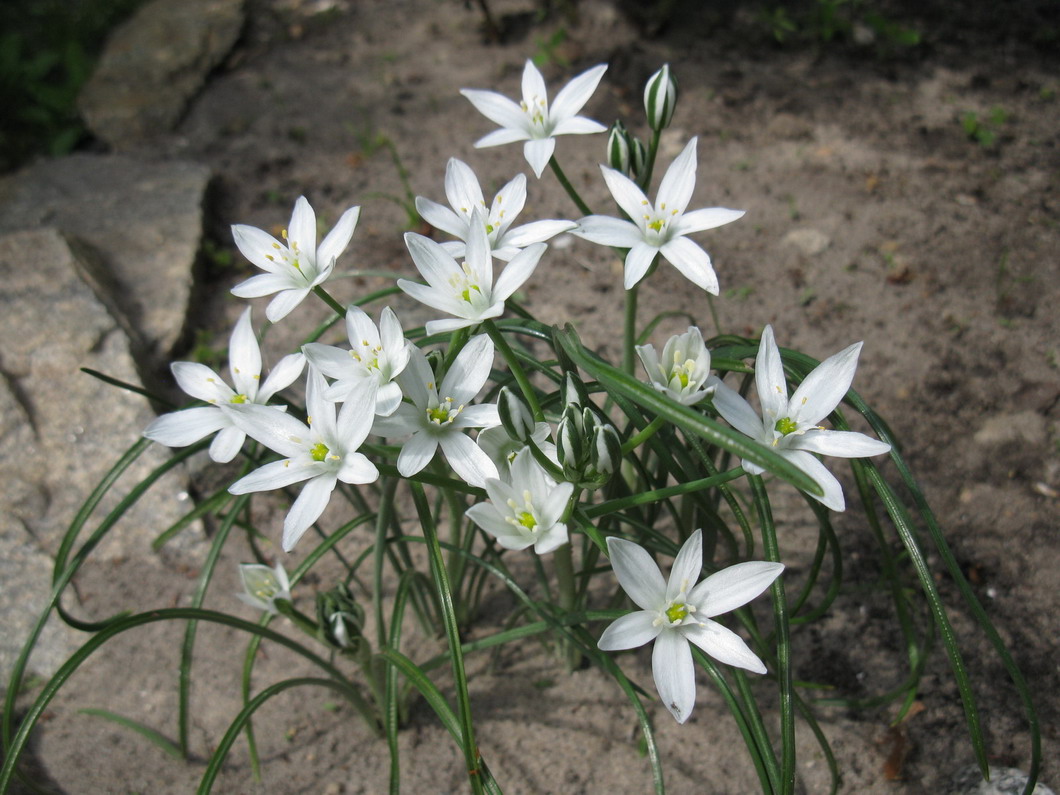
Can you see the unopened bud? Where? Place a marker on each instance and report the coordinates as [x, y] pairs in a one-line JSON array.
[[618, 148], [340, 618], [606, 451], [660, 98], [515, 415], [262, 586], [574, 391], [638, 157]]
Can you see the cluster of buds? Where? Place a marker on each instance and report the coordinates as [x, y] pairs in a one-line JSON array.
[[588, 446]]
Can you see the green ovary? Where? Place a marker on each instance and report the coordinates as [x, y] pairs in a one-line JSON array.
[[238, 399], [319, 452], [786, 425], [657, 224], [527, 520], [438, 414], [676, 612]]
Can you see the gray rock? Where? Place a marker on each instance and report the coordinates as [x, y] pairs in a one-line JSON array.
[[60, 431], [1003, 781], [138, 227], [810, 242], [154, 64]]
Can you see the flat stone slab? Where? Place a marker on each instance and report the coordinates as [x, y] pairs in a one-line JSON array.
[[61, 430], [154, 64], [141, 225]]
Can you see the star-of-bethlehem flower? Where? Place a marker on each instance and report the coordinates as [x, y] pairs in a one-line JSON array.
[[467, 290], [677, 612], [683, 372], [440, 415], [262, 586], [376, 355], [535, 121], [659, 228], [464, 194], [181, 428], [321, 454], [297, 265], [527, 511], [791, 427]]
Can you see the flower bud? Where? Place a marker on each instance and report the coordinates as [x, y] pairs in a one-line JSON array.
[[638, 157], [262, 586], [574, 391], [515, 415], [660, 99], [570, 446], [618, 148], [606, 451], [340, 618]]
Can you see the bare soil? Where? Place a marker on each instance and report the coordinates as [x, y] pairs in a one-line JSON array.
[[871, 215]]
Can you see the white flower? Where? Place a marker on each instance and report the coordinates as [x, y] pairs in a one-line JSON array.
[[502, 448], [683, 373], [376, 354], [527, 511], [533, 120], [466, 291], [262, 586], [181, 428], [674, 614], [321, 454], [297, 265], [659, 228], [441, 415], [464, 194], [791, 427]]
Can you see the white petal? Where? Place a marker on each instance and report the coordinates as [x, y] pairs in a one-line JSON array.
[[281, 376], [275, 429], [331, 361], [432, 261], [257, 246], [497, 108], [201, 382], [357, 469], [482, 415], [307, 509], [841, 444], [416, 453], [769, 379], [462, 188], [733, 587], [686, 568], [508, 203], [692, 261], [707, 218], [630, 631], [338, 238], [723, 645], [356, 415], [227, 444], [825, 386], [445, 326], [303, 229], [441, 217], [533, 84], [674, 674], [501, 137], [579, 125], [263, 284], [679, 181], [360, 329], [627, 195], [551, 539], [435, 298], [637, 573], [607, 231], [321, 411], [467, 459], [638, 260], [387, 399], [469, 370], [518, 271], [281, 306], [276, 475], [538, 153], [181, 428], [534, 232], [573, 96], [244, 357], [833, 491]]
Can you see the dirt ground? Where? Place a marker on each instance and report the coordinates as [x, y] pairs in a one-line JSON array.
[[871, 215]]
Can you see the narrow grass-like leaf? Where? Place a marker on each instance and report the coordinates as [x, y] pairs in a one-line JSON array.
[[149, 734]]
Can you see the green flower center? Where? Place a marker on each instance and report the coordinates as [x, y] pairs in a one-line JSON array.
[[657, 224], [676, 612], [319, 452], [527, 520], [238, 399], [438, 415], [786, 425]]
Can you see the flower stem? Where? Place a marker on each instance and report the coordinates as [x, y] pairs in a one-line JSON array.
[[568, 187], [780, 613], [326, 297], [516, 368], [564, 561], [452, 632], [653, 150], [629, 329], [714, 314], [640, 438]]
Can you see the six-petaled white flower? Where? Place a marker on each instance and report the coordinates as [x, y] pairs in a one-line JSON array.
[[295, 266], [181, 428], [321, 454], [683, 372], [262, 586], [677, 612], [659, 228], [440, 415], [464, 195], [466, 291], [376, 355], [535, 121], [791, 427], [527, 511]]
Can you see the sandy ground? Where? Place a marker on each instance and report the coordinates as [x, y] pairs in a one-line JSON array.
[[870, 216]]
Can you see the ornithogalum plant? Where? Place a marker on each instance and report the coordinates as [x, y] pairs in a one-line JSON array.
[[523, 444]]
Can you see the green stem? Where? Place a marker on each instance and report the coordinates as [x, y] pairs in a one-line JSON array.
[[780, 612], [326, 297], [445, 600], [568, 187], [629, 330], [653, 150], [516, 368], [564, 562], [644, 435], [714, 313]]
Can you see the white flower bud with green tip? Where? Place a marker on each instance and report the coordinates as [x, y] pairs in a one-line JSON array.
[[660, 98]]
